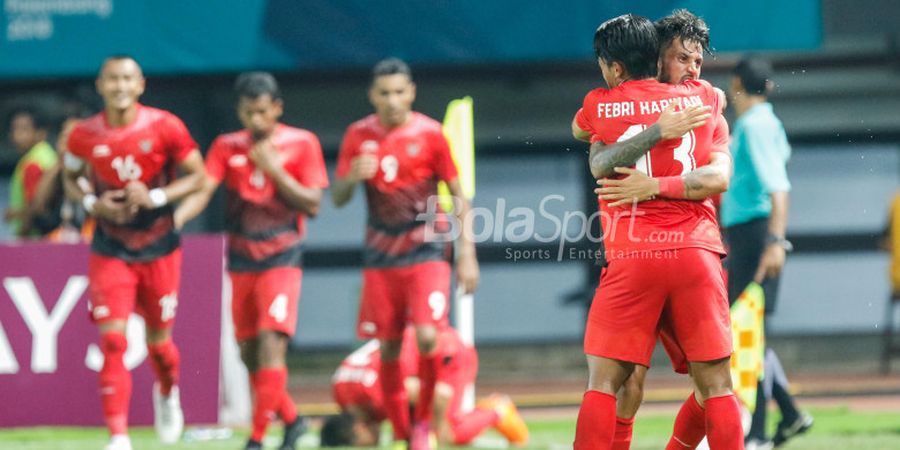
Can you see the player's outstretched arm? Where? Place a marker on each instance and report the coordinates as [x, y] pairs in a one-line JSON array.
[[670, 125], [467, 270]]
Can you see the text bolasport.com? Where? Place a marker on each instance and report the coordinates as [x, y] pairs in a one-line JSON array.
[[550, 223]]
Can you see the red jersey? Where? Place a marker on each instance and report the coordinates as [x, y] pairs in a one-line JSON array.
[[412, 158], [263, 230], [613, 115], [147, 150], [356, 381]]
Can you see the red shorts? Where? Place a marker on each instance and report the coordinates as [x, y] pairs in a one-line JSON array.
[[395, 296], [118, 288], [265, 300], [683, 294]]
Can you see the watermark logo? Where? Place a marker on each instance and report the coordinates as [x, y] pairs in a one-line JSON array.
[[550, 223]]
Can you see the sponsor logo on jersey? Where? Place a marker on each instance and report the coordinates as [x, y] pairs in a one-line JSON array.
[[237, 160], [369, 146], [101, 150]]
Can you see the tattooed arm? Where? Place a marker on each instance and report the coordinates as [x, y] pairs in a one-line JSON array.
[[698, 184], [605, 158]]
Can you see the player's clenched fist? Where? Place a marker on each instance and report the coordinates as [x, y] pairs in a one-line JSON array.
[[363, 167], [265, 157], [137, 195], [113, 205]]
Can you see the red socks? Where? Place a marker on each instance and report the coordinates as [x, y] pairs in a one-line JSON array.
[[469, 426], [115, 382], [723, 423], [622, 436], [287, 410], [270, 385], [165, 361], [428, 371], [396, 402], [596, 424], [690, 426]]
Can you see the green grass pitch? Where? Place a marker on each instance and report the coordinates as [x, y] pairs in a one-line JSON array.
[[835, 428]]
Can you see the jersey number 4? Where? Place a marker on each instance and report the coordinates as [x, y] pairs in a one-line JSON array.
[[684, 152]]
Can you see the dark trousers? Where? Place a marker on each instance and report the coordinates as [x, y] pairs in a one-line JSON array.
[[746, 243]]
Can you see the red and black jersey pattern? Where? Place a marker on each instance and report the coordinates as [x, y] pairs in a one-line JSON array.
[[403, 214], [263, 231], [146, 150]]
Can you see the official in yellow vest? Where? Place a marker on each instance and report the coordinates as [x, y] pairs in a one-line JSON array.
[[28, 134]]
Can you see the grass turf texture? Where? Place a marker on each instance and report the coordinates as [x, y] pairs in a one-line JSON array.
[[834, 428]]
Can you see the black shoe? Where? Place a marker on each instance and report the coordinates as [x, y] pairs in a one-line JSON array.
[[789, 430], [253, 445], [292, 432]]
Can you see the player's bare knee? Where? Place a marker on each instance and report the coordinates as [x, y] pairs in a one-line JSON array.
[[426, 338], [712, 378], [158, 335], [272, 348], [390, 349]]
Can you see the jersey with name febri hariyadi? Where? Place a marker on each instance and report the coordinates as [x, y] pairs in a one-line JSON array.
[[146, 150], [614, 115]]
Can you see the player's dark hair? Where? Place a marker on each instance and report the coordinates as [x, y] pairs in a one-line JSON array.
[[256, 84], [631, 41], [391, 66], [41, 119], [337, 431], [684, 25], [755, 74]]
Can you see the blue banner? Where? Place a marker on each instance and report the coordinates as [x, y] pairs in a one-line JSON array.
[[56, 38]]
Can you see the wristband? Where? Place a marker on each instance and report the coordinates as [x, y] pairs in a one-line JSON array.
[[780, 241], [671, 187], [88, 202], [158, 197]]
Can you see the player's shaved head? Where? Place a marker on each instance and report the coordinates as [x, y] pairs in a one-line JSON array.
[[121, 58], [391, 66], [253, 85]]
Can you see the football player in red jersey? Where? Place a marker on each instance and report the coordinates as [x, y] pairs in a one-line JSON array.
[[676, 236], [357, 391], [132, 151], [684, 38], [399, 155], [273, 175]]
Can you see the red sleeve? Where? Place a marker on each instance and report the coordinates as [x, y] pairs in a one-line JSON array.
[[217, 160], [444, 166], [582, 121], [349, 150], [31, 176], [310, 170], [721, 138], [178, 138], [76, 144]]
